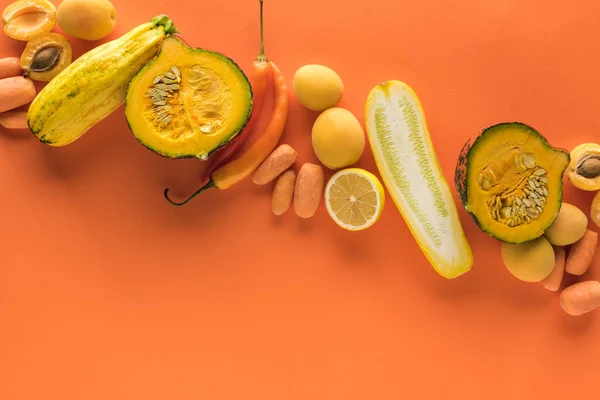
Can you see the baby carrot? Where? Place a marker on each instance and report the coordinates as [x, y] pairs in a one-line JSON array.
[[581, 253], [580, 298], [10, 66], [553, 281]]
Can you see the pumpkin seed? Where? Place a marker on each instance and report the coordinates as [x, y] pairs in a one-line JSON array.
[[167, 80], [544, 179], [159, 102], [540, 191], [174, 87], [161, 86], [175, 71], [529, 160], [157, 79], [167, 120], [518, 201], [505, 212], [170, 75], [545, 191], [540, 172], [527, 202]]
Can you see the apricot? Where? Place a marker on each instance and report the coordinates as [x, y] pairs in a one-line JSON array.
[[46, 56], [87, 19], [317, 87], [568, 227], [338, 138], [530, 261], [26, 19]]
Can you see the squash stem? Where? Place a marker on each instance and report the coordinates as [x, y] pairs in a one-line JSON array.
[[261, 56], [209, 185]]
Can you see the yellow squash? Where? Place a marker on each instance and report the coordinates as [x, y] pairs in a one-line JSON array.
[[94, 85], [402, 148]]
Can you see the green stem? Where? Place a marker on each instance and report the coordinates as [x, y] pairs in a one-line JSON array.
[[261, 55], [209, 185], [166, 22]]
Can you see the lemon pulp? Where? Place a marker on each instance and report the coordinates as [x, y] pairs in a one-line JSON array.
[[354, 198]]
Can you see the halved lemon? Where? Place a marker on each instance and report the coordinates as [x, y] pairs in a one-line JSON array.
[[354, 198]]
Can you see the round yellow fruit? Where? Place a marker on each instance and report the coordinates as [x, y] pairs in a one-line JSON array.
[[317, 87], [87, 19], [338, 138], [354, 198], [568, 227], [530, 261]]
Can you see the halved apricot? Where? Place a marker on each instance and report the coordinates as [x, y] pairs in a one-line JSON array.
[[45, 56], [26, 19]]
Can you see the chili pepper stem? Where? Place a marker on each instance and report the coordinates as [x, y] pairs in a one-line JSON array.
[[209, 185], [261, 55]]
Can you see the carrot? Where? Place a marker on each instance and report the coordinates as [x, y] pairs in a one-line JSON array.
[[14, 119], [15, 91], [580, 298], [581, 253], [283, 192], [278, 161], [10, 66], [553, 281], [308, 190]]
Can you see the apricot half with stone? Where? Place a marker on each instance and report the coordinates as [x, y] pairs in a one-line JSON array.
[[584, 169], [26, 19], [46, 56]]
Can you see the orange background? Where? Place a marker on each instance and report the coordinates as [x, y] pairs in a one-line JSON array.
[[108, 292]]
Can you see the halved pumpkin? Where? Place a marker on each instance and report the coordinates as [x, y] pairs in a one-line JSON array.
[[509, 179], [188, 102]]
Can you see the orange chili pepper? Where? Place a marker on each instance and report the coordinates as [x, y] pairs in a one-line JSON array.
[[252, 155], [258, 81]]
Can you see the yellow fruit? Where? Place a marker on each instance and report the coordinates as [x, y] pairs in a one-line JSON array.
[[354, 198], [26, 19], [337, 138], [87, 19], [318, 87], [568, 227], [530, 261]]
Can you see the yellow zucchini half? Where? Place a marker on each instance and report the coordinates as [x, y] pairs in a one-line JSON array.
[[406, 159], [94, 85]]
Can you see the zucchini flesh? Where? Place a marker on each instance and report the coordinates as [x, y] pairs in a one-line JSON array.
[[406, 159]]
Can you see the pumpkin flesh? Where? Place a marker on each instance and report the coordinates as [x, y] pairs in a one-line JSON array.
[[188, 102]]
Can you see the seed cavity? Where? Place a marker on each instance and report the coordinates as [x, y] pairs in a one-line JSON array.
[[517, 187]]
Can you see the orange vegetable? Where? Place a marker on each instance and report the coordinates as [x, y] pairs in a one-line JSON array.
[[581, 298], [283, 192], [278, 161], [255, 150], [258, 80], [15, 92], [581, 253], [308, 190], [14, 119], [10, 67], [553, 281]]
